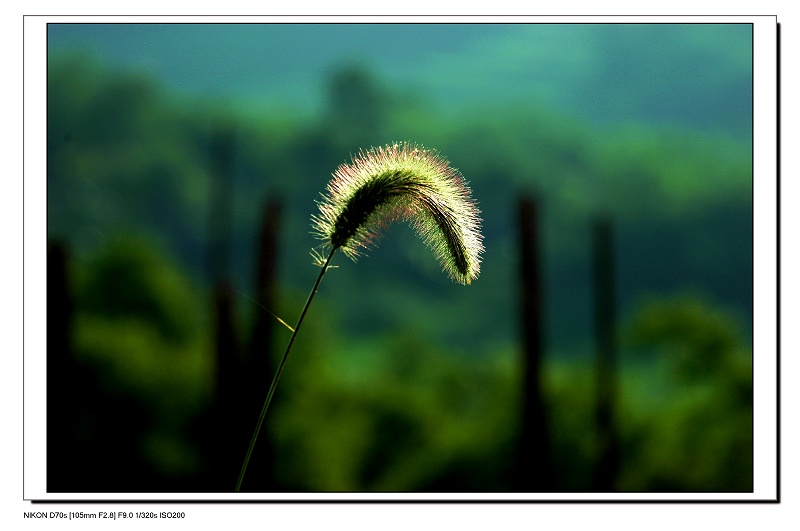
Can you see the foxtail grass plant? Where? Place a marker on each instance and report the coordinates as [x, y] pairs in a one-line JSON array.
[[397, 182]]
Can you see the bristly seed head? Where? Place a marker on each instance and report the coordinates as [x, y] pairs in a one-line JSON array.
[[403, 182]]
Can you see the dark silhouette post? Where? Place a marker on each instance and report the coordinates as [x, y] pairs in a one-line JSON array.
[[605, 474], [534, 468], [266, 272], [60, 439], [259, 367], [84, 425], [223, 432], [220, 202]]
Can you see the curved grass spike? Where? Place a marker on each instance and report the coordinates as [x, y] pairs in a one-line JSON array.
[[403, 182], [396, 182]]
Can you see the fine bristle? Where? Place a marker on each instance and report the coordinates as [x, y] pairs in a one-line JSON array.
[[403, 182]]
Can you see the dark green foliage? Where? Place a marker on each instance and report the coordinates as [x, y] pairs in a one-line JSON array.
[[392, 415], [140, 371], [698, 435], [129, 281], [699, 343]]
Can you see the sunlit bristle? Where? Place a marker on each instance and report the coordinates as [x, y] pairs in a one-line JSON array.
[[403, 181]]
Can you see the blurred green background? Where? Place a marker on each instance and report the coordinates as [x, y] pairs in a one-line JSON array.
[[184, 162]]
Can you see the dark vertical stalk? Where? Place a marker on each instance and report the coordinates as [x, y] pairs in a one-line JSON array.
[[266, 270], [226, 344], [227, 396], [261, 344], [226, 348], [60, 439], [221, 201], [534, 468], [606, 370]]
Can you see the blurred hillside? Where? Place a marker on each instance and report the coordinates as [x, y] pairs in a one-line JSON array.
[[401, 379], [694, 75], [124, 158]]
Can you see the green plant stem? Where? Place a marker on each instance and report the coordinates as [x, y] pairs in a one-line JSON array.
[[280, 370]]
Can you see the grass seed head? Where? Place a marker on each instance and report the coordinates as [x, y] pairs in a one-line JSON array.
[[403, 181]]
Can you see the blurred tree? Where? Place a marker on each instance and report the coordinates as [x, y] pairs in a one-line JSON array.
[[398, 416], [699, 436], [142, 351], [122, 157], [130, 280], [605, 293], [357, 108], [700, 342]]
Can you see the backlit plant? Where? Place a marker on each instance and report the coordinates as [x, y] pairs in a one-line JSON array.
[[401, 181]]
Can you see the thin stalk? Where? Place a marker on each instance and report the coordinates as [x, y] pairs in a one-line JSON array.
[[280, 370]]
